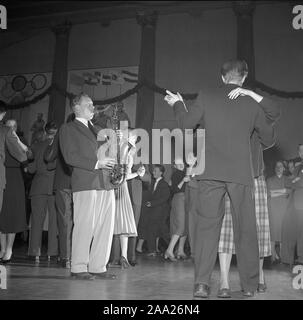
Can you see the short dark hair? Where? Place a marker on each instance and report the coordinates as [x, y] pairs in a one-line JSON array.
[[161, 167], [51, 125], [234, 69], [77, 99], [3, 106]]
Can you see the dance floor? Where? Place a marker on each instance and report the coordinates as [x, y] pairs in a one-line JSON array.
[[151, 279]]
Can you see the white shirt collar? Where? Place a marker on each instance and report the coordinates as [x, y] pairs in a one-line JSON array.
[[84, 121]]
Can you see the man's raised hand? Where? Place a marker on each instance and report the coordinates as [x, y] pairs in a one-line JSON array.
[[172, 98]]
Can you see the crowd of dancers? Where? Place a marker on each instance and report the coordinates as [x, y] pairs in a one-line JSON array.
[[229, 209]]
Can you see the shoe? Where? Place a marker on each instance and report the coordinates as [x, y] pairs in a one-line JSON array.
[[182, 256], [168, 256], [104, 276], [201, 290], [5, 261], [224, 293], [124, 263], [139, 252], [248, 293], [114, 264], [152, 254], [133, 263], [262, 288], [52, 259], [82, 276], [2, 253], [65, 263]]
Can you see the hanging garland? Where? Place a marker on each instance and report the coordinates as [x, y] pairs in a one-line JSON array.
[[151, 86]]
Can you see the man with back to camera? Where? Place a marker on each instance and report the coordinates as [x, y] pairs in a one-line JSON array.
[[228, 168]]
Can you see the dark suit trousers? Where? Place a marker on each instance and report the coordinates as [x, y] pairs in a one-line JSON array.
[[158, 227], [39, 204], [210, 211], [63, 201], [1, 198]]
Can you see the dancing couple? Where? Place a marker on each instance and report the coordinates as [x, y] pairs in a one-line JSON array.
[[233, 150]]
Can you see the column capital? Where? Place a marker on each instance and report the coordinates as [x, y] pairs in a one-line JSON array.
[[147, 19], [61, 29], [244, 8]]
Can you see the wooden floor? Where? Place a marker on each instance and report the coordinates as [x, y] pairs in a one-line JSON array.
[[152, 279]]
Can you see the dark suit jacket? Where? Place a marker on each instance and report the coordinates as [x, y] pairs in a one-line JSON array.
[[79, 148], [159, 198], [54, 158], [9, 141], [229, 125], [43, 180], [272, 114]]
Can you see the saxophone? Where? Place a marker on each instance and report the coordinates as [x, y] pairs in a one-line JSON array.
[[118, 173]]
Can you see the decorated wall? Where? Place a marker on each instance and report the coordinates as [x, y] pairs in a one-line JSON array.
[[185, 62]]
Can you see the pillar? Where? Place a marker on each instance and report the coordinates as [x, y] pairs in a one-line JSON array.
[[57, 102], [145, 96], [244, 11]]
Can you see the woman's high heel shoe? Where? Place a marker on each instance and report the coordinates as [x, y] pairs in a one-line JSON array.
[[182, 256], [5, 261], [168, 256], [2, 253], [124, 263]]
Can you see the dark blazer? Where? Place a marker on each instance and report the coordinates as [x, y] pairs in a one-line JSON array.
[[79, 148], [54, 158], [9, 141], [159, 198], [272, 114], [229, 125], [43, 180]]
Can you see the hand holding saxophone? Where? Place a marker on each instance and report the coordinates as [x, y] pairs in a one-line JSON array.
[[106, 163]]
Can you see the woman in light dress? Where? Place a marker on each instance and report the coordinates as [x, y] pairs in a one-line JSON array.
[[125, 225]]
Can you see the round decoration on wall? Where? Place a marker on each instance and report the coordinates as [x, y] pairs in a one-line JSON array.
[[28, 90], [18, 98], [7, 91], [3, 82], [39, 81], [19, 83]]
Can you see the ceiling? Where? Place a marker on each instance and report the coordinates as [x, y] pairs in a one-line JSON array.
[[43, 14]]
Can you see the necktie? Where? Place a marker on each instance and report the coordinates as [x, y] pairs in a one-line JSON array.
[[155, 186], [91, 128]]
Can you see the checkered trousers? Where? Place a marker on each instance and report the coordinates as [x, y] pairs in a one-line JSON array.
[[226, 243]]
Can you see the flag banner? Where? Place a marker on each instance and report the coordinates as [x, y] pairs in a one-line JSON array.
[[129, 76], [76, 80]]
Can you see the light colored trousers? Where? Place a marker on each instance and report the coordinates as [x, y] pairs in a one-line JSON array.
[[94, 214]]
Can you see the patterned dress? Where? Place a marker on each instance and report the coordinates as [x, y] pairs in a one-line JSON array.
[[226, 243]]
